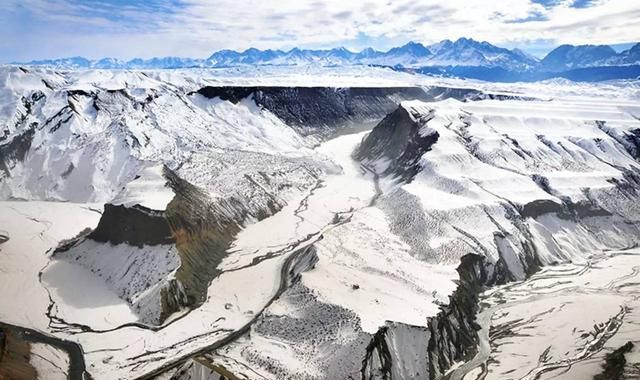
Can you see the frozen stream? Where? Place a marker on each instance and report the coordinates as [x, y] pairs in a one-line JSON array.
[[560, 323]]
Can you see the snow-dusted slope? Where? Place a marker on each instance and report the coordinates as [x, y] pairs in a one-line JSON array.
[[570, 57], [91, 139], [572, 159]]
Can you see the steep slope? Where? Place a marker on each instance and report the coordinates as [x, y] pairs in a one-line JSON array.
[[627, 57], [397, 143], [175, 198], [570, 57], [468, 52], [320, 110]]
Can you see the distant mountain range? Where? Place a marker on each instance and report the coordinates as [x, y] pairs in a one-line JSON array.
[[447, 57]]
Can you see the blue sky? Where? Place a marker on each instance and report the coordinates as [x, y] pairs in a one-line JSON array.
[[37, 29]]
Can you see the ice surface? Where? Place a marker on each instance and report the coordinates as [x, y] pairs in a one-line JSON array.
[[34, 229]]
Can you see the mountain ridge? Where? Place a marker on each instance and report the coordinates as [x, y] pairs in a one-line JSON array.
[[464, 52]]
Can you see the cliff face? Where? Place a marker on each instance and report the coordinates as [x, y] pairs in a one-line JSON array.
[[398, 142], [14, 357], [324, 111], [168, 257], [400, 351], [27, 354], [203, 230], [321, 110], [136, 225]]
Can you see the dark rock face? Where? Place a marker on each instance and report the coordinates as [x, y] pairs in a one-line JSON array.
[[614, 366], [14, 151], [540, 207], [452, 334], [232, 94], [397, 351], [318, 110], [566, 210], [28, 103], [569, 56], [630, 139], [377, 361], [203, 230], [136, 225], [14, 357], [633, 143], [399, 139], [15, 352]]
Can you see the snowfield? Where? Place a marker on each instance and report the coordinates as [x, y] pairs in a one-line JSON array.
[[148, 228]]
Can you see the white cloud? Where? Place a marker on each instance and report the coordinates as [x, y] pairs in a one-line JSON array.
[[197, 27]]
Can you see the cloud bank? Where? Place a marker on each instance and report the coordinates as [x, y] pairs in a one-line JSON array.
[[34, 29]]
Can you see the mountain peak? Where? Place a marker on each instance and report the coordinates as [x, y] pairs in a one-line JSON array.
[[413, 44], [567, 56], [412, 48], [464, 40]]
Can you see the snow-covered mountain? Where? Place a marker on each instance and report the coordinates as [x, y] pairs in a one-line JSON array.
[[463, 52], [568, 57], [468, 52], [323, 224], [114, 63], [465, 57], [627, 57]]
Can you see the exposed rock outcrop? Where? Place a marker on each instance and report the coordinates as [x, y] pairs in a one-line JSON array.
[[615, 362], [319, 110], [399, 140], [14, 357], [136, 225]]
